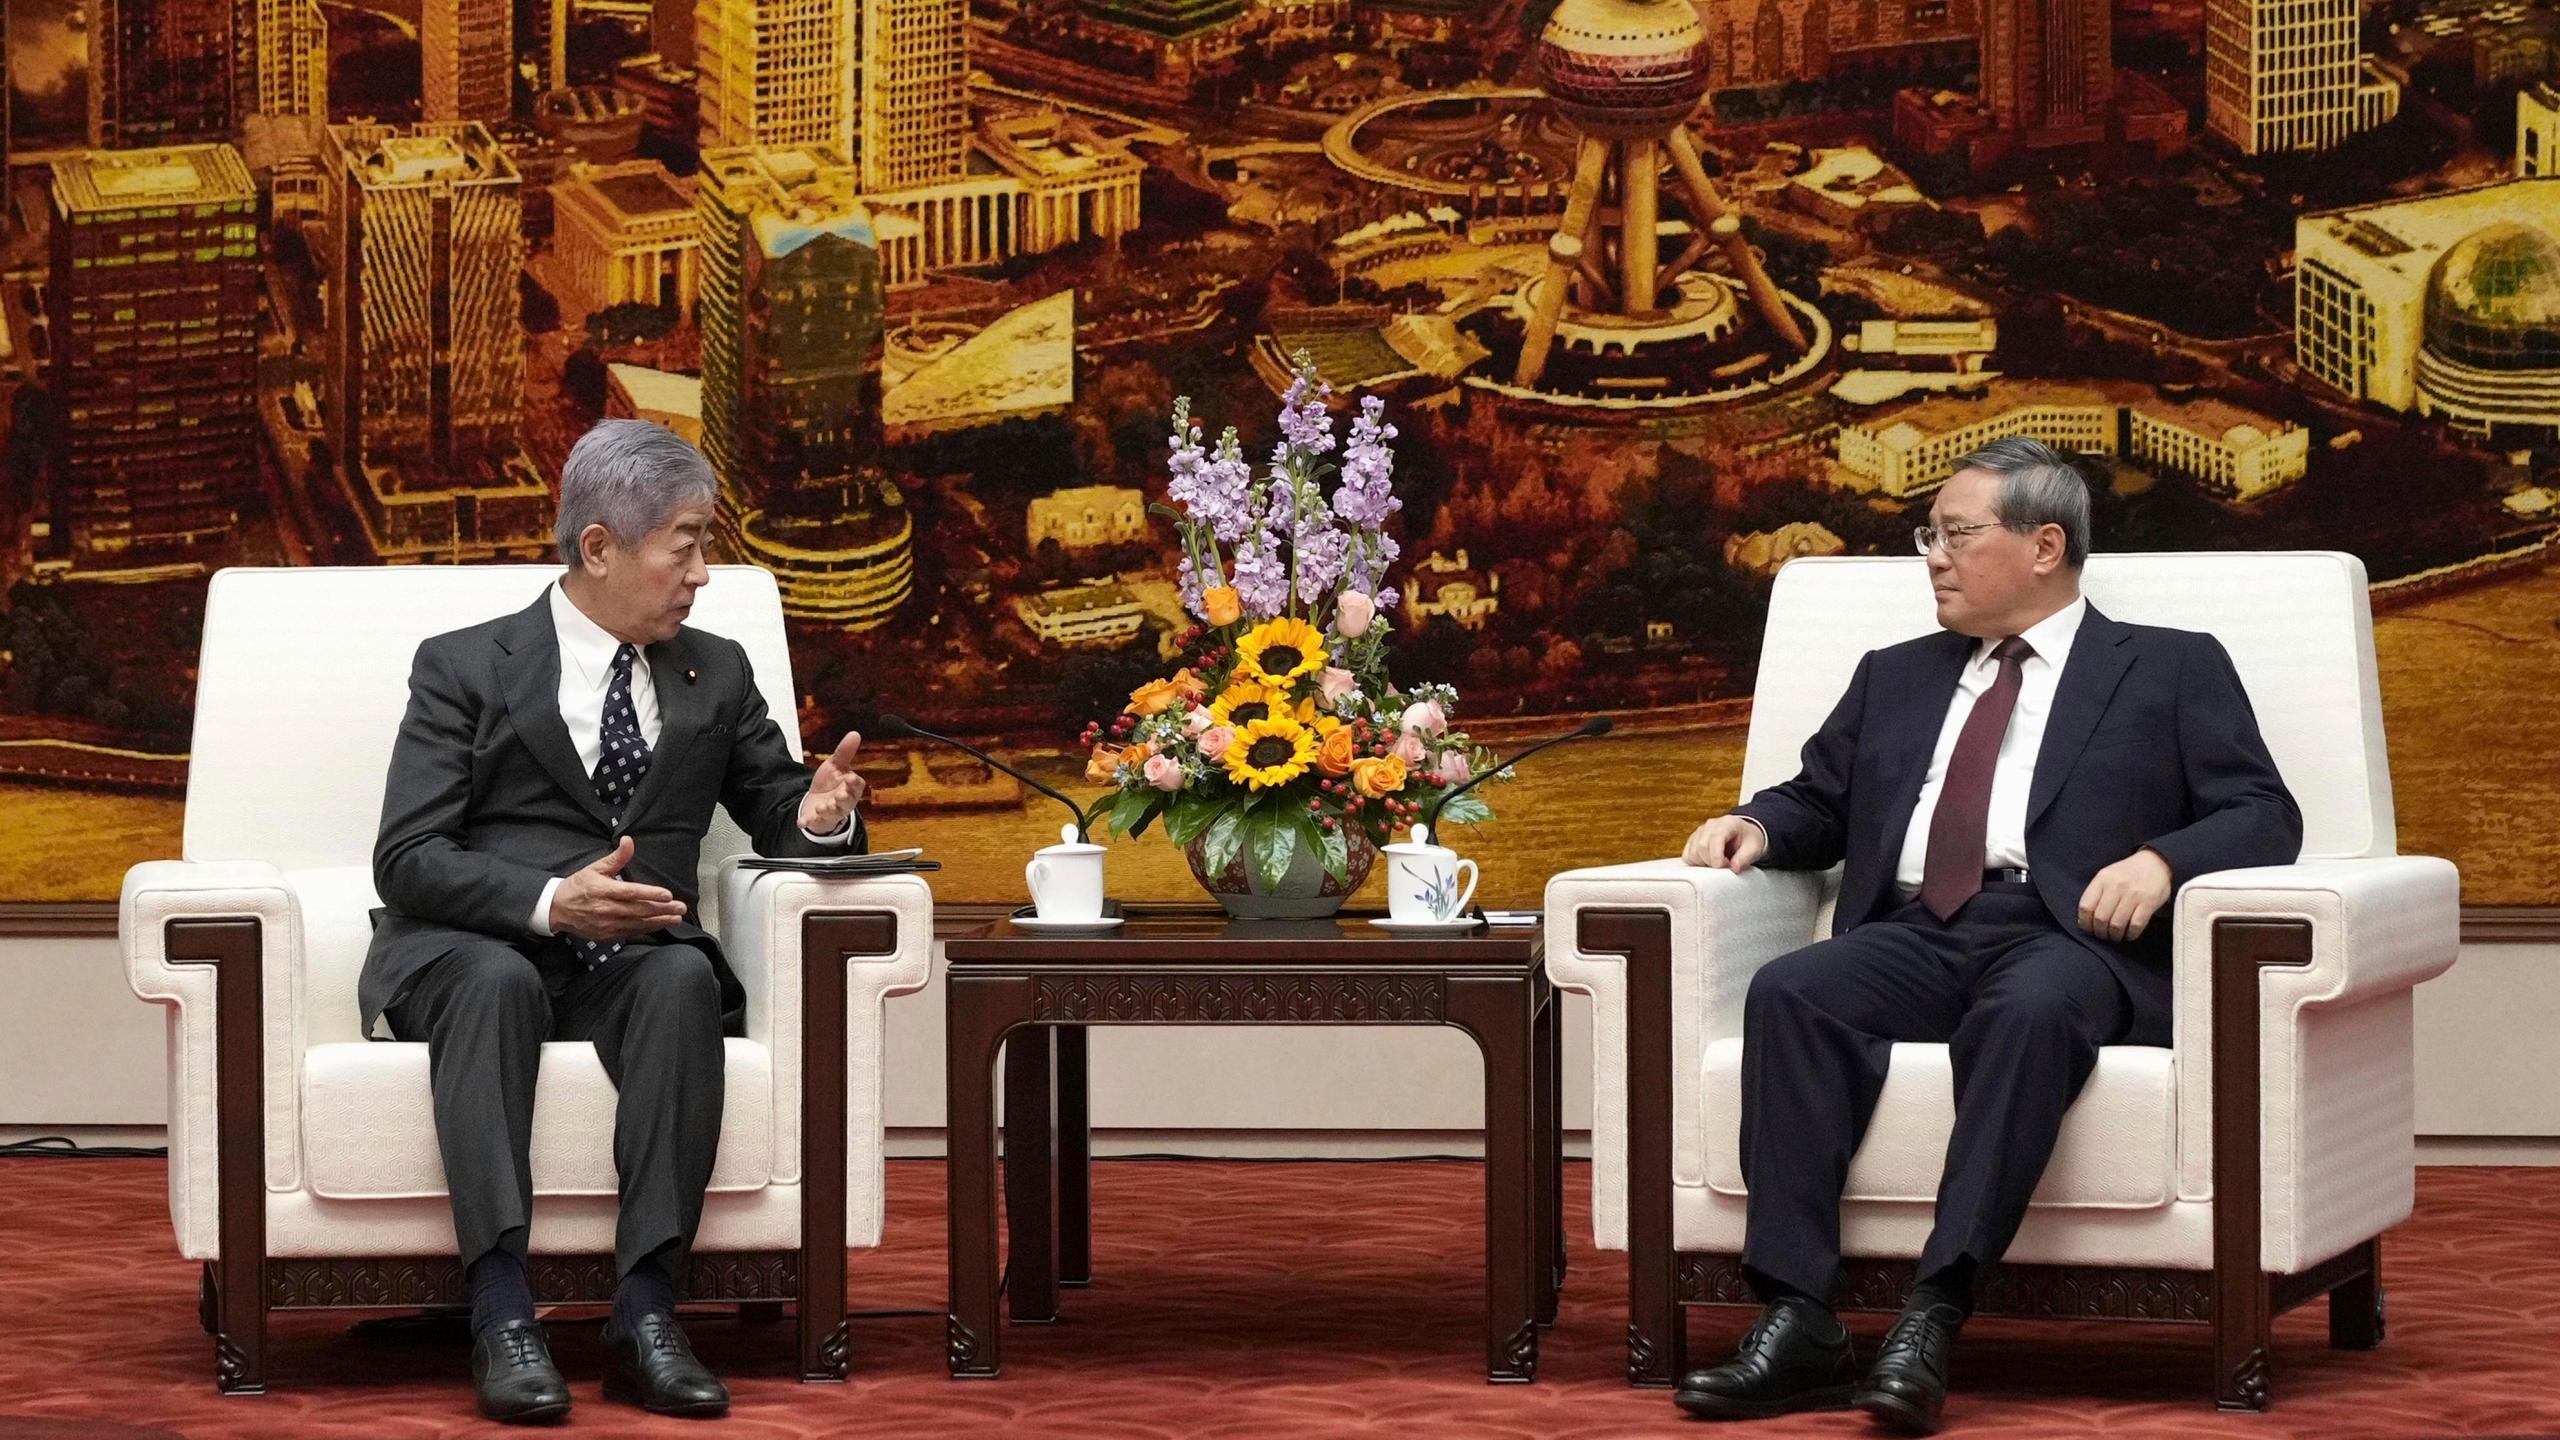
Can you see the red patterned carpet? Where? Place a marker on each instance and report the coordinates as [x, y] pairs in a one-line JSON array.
[[1258, 1300]]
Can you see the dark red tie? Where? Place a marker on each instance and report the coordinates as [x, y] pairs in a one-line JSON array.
[[1953, 872]]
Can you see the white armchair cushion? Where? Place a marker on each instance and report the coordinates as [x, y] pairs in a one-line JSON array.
[[369, 1125], [1744, 921], [2117, 1151]]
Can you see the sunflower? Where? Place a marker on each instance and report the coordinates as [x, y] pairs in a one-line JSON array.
[[1245, 701], [1271, 751], [1276, 652]]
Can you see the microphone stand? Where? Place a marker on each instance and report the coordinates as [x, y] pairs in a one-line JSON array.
[[892, 727], [1595, 726]]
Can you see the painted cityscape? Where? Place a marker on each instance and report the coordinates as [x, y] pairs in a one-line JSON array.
[[1660, 295]]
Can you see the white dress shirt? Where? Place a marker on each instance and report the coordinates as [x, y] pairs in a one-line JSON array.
[[586, 674], [2014, 773]]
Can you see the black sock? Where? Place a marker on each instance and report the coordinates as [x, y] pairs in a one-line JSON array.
[[1949, 1285], [648, 1286], [499, 1291], [1773, 1291]]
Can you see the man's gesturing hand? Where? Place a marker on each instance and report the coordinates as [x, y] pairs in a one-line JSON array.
[[835, 790], [1728, 842], [598, 904], [2122, 898]]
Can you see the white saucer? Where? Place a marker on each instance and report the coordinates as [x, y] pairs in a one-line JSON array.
[[1425, 927], [1099, 922]]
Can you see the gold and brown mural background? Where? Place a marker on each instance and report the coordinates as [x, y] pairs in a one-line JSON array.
[[339, 281]]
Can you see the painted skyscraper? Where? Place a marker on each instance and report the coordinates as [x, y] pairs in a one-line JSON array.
[[915, 92], [777, 72], [166, 72], [791, 383], [154, 300], [2048, 67], [427, 344], [2287, 75], [466, 51]]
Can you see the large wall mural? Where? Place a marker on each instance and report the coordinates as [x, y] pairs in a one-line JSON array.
[[1659, 296]]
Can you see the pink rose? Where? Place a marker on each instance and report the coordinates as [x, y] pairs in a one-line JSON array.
[[1352, 614], [1197, 722], [1409, 749], [1335, 683], [1454, 769], [1164, 772], [1214, 742], [1424, 718]]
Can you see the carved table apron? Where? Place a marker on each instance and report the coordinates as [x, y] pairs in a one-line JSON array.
[[1031, 995]]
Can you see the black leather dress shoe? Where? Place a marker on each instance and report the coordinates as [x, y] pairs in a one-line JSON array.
[[652, 1367], [518, 1383], [1794, 1357], [1907, 1388]]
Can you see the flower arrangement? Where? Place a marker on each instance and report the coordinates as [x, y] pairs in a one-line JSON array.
[[1281, 754]]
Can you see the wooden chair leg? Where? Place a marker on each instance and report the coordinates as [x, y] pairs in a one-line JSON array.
[[1657, 1332], [2356, 1308]]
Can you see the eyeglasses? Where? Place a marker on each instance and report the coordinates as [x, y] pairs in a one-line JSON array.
[[1925, 538]]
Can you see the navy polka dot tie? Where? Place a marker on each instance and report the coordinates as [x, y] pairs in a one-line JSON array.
[[620, 765]]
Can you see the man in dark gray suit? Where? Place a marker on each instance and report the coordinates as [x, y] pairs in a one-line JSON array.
[[541, 831]]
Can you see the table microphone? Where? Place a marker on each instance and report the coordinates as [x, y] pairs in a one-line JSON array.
[[892, 727], [1596, 725]]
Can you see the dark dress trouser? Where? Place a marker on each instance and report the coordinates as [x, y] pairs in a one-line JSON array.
[[2022, 1008], [653, 1013]]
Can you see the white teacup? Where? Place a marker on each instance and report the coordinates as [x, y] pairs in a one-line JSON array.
[[1066, 878], [1422, 881]]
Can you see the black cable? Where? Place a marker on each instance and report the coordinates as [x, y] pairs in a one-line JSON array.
[[63, 1147]]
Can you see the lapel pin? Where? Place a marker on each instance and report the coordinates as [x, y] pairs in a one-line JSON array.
[[688, 677]]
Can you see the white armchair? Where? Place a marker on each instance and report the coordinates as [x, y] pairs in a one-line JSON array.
[[303, 1168], [2251, 1167]]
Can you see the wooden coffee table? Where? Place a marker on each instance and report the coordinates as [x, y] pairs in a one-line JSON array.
[[1031, 995]]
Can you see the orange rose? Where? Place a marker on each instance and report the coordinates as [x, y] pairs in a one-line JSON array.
[[1106, 758], [1334, 756], [1188, 685], [1378, 777], [1222, 605], [1138, 754], [1154, 697]]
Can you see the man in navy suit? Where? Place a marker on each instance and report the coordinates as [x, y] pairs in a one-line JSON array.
[[2015, 800], [542, 826]]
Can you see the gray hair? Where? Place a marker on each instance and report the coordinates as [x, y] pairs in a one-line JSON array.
[[2038, 487], [628, 476]]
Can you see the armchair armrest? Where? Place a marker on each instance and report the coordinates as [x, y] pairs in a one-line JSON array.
[[880, 929], [1666, 952], [213, 941], [2294, 1012]]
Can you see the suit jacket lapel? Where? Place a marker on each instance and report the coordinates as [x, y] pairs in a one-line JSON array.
[[1915, 738], [682, 709], [529, 669], [2099, 658]]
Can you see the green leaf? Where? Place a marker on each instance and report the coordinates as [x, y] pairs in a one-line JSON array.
[[1155, 807], [1191, 816], [1273, 837], [1336, 850], [1127, 808], [1467, 809], [1219, 843]]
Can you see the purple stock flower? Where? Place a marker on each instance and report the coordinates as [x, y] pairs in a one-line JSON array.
[[1262, 577], [1322, 548], [1305, 425], [1366, 497], [1189, 579]]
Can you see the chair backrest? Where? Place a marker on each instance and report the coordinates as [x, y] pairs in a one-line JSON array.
[[305, 672], [2298, 624]]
